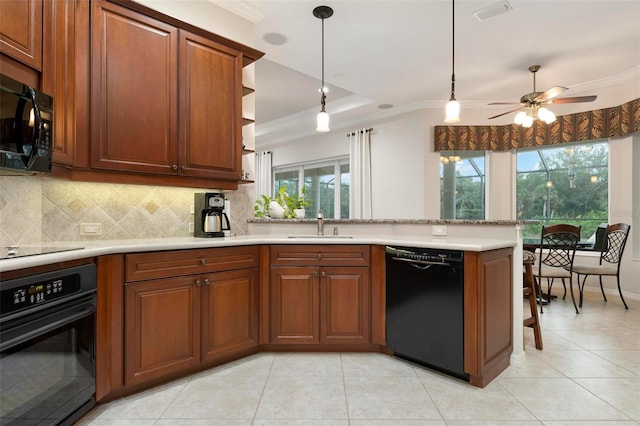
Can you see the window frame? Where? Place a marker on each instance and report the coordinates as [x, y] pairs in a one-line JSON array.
[[337, 163], [569, 173]]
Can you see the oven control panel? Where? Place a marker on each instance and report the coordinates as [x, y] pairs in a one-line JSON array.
[[27, 295]]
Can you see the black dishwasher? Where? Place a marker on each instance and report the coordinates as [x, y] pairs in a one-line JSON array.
[[425, 307]]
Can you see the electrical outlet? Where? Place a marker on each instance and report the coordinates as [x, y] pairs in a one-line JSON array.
[[191, 227], [192, 210], [90, 229], [439, 230]]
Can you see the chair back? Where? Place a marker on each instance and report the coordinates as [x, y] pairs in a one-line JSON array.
[[616, 240], [558, 245]]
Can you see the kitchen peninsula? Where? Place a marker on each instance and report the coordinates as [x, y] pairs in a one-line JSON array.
[[231, 276]]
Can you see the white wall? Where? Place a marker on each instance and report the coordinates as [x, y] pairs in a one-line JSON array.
[[406, 178]]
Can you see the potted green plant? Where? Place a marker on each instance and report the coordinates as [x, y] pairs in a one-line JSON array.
[[261, 208], [297, 204], [282, 206]]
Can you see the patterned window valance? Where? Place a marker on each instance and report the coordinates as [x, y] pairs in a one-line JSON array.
[[583, 126]]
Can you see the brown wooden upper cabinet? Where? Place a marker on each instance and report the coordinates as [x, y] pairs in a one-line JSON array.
[[165, 100], [21, 31]]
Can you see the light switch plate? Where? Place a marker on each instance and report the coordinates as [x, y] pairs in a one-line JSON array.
[[439, 230]]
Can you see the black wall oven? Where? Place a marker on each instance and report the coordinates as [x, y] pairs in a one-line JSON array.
[[26, 128], [47, 347]]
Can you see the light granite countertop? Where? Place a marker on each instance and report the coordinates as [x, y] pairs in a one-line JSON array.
[[105, 247]]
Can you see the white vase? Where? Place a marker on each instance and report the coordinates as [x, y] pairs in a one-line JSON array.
[[299, 213], [275, 210]]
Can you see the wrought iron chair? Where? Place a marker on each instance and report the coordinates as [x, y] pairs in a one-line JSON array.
[[610, 259], [557, 251]]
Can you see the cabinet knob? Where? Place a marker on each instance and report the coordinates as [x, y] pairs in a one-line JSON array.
[[183, 167], [315, 274], [198, 283], [323, 274], [203, 261], [319, 256], [174, 167], [206, 281]]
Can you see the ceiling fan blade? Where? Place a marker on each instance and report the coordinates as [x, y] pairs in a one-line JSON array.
[[551, 93], [505, 113], [574, 99], [505, 103]]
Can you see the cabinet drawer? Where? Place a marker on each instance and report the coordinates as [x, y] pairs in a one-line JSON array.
[[320, 255], [145, 266]]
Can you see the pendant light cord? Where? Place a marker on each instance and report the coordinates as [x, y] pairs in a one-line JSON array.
[[322, 91], [453, 49], [322, 88]]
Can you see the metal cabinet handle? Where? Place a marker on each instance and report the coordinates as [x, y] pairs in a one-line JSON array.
[[319, 256], [183, 167], [315, 274], [206, 281], [323, 274], [198, 283], [174, 167], [203, 261]]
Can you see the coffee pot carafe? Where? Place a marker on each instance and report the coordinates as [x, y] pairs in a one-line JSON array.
[[210, 220]]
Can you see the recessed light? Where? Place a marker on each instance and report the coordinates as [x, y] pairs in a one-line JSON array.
[[275, 38], [492, 10], [385, 106]]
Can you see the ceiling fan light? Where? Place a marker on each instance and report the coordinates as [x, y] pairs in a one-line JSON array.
[[545, 115], [519, 118], [527, 121], [452, 112], [322, 122]]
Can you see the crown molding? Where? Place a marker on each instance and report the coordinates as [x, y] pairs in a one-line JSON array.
[[241, 9]]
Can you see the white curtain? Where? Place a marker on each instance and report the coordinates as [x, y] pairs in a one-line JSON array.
[[263, 173], [360, 171]]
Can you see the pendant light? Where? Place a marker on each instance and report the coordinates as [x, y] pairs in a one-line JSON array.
[[322, 12], [453, 106]]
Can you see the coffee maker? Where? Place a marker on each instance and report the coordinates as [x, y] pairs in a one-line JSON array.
[[210, 220]]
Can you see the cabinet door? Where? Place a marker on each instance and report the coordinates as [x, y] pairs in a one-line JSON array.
[[210, 135], [488, 314], [21, 31], [162, 327], [294, 305], [66, 76], [229, 313], [345, 305], [134, 91]]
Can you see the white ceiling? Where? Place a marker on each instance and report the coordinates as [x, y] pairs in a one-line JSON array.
[[398, 52]]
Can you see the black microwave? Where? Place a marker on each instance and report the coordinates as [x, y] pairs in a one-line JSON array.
[[26, 128]]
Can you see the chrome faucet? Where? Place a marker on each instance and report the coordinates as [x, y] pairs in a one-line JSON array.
[[320, 218]]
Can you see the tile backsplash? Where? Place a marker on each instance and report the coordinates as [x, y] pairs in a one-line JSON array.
[[36, 209]]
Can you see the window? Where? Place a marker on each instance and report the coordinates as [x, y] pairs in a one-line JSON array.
[[565, 184], [320, 180], [462, 185]]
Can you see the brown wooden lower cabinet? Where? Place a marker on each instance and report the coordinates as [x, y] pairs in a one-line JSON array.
[[310, 298], [176, 323], [162, 327], [488, 313], [320, 305], [229, 313]]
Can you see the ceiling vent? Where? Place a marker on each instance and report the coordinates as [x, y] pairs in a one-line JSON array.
[[493, 10]]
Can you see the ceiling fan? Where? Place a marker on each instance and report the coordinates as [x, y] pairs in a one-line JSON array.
[[532, 103]]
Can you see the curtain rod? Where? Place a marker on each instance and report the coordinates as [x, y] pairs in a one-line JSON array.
[[370, 129]]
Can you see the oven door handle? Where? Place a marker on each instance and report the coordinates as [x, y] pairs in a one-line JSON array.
[[57, 319]]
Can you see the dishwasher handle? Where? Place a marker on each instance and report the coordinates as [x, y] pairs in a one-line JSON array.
[[420, 264]]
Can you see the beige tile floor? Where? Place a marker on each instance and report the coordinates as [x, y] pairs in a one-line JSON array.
[[587, 374]]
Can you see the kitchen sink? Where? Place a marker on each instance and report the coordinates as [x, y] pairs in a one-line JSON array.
[[320, 236]]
